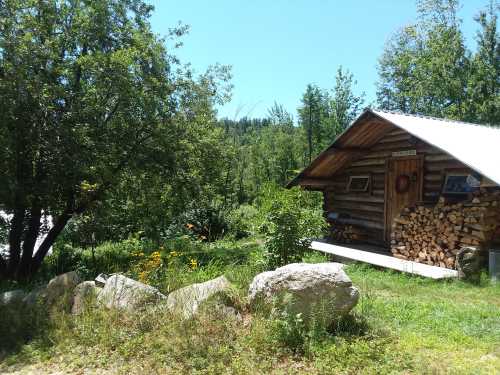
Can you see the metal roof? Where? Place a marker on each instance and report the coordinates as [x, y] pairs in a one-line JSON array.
[[476, 146]]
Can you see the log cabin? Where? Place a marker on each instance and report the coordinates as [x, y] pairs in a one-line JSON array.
[[418, 186]]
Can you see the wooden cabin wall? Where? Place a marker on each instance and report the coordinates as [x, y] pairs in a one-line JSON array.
[[366, 210]]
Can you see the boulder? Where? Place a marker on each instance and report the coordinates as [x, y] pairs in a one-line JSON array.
[[302, 287], [469, 263], [186, 301], [59, 287], [124, 293], [12, 296], [100, 280], [34, 295], [83, 293]]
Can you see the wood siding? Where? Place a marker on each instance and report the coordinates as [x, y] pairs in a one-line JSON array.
[[366, 210]]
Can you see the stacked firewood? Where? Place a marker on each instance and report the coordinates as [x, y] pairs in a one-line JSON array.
[[434, 235], [343, 233]]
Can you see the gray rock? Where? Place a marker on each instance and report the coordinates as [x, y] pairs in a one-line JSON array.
[[34, 295], [469, 263], [302, 287], [100, 280], [124, 293], [58, 290], [186, 301], [12, 296], [82, 295], [61, 286]]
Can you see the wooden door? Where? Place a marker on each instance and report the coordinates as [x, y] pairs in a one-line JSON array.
[[403, 187]]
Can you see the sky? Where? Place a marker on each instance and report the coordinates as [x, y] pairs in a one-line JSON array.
[[277, 47]]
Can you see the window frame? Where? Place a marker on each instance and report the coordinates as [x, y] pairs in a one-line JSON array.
[[451, 173], [365, 189]]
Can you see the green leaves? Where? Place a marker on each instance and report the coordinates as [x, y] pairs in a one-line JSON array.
[[291, 219], [427, 69]]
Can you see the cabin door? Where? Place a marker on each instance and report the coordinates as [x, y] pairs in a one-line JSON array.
[[403, 187]]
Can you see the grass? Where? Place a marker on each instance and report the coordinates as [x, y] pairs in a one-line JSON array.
[[402, 325]]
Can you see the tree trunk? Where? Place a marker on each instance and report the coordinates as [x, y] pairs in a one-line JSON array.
[[47, 243], [29, 243], [15, 237]]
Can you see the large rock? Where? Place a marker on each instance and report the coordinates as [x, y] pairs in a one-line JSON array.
[[12, 296], [61, 286], [469, 263], [124, 293], [82, 295], [186, 301], [306, 287]]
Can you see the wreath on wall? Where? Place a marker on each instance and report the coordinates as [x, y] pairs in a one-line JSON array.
[[402, 183]]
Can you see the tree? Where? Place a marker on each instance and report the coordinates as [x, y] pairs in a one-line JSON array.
[[484, 81], [312, 114], [89, 95], [344, 105], [426, 68]]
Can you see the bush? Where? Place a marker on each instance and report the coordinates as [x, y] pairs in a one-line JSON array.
[[243, 221], [290, 220]]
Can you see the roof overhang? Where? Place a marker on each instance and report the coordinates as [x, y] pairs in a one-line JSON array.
[[474, 145]]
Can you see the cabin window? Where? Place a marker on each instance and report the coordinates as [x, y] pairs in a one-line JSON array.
[[460, 183], [358, 183]]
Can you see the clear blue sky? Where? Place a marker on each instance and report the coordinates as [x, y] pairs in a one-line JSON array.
[[277, 47]]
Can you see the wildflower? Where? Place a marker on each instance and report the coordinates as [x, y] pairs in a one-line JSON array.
[[193, 263]]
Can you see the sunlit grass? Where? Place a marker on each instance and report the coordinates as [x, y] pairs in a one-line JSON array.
[[402, 324]]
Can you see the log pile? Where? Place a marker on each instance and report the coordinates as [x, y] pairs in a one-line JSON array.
[[343, 233], [434, 235]]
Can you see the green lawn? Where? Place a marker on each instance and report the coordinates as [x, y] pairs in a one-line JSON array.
[[402, 325]]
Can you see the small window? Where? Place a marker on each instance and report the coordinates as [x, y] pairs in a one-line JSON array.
[[459, 183], [358, 183]]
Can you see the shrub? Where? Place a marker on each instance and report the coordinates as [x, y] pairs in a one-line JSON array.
[[290, 220], [242, 221]]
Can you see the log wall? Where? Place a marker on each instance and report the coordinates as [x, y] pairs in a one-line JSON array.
[[361, 215]]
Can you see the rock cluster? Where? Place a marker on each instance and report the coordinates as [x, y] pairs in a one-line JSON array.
[[308, 286]]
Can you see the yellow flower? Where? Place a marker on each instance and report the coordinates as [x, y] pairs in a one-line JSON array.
[[193, 264]]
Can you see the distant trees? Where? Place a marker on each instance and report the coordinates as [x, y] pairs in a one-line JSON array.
[[426, 68], [323, 115]]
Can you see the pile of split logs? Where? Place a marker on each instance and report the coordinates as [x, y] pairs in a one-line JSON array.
[[345, 233], [434, 235]]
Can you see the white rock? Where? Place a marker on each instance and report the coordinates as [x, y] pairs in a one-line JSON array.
[[82, 294], [125, 293], [100, 280], [186, 301], [12, 296], [309, 286]]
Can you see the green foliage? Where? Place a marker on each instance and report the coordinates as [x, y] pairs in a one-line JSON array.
[[290, 221], [324, 115], [242, 221], [108, 124], [427, 69]]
